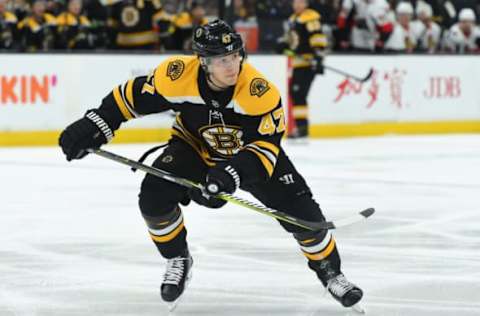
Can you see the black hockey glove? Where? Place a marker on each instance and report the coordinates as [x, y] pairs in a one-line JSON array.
[[218, 180], [91, 131]]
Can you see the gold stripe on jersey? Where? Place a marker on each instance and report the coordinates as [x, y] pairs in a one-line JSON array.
[[318, 40], [124, 98], [176, 79], [9, 17], [68, 19], [137, 39], [34, 25], [117, 95], [308, 15], [300, 111], [50, 19], [266, 152], [129, 93], [267, 145], [253, 94], [267, 164], [184, 20]]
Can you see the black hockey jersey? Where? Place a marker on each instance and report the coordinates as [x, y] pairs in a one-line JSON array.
[[73, 32], [38, 34], [134, 22], [242, 125], [305, 38], [8, 24], [182, 28]]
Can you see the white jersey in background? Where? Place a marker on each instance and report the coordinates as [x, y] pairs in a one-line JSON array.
[[427, 36], [402, 39], [427, 32], [370, 16], [457, 41]]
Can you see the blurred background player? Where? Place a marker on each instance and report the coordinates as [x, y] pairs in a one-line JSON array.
[[402, 39], [464, 36], [226, 135], [364, 25], [55, 7], [37, 31], [21, 8], [133, 24], [74, 28], [8, 26], [183, 25], [426, 31], [306, 43]]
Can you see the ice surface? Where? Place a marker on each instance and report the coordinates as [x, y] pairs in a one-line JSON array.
[[72, 241]]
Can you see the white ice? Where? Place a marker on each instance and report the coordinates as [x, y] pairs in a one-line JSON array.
[[72, 241]]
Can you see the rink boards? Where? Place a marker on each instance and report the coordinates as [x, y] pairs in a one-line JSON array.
[[41, 94]]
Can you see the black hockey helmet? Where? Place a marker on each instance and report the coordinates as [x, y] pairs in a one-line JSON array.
[[216, 38]]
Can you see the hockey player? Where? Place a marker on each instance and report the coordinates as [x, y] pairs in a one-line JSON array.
[[372, 24], [403, 38], [226, 135], [74, 28], [306, 42], [8, 25], [427, 32], [134, 23], [464, 36], [37, 31], [183, 25]]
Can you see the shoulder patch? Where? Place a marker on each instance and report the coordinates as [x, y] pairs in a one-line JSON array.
[[258, 87], [176, 79], [254, 94], [175, 69]]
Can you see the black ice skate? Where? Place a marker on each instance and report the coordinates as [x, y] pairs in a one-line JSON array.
[[344, 291], [176, 278]]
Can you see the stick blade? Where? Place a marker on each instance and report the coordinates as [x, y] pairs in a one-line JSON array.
[[368, 76], [354, 219], [367, 212]]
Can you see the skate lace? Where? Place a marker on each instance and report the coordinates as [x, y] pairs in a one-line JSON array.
[[339, 286], [174, 271]]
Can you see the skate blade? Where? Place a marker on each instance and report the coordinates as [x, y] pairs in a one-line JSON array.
[[172, 306], [359, 309]]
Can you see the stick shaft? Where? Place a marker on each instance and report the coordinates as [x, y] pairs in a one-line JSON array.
[[346, 74], [224, 196]]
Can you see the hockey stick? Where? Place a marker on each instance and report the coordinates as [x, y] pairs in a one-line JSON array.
[[346, 74], [236, 200]]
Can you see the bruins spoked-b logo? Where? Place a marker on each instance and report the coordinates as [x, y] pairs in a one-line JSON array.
[[259, 87], [130, 16], [224, 140], [226, 38], [175, 69]]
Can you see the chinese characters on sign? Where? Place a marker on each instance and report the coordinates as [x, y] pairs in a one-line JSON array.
[[392, 82]]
